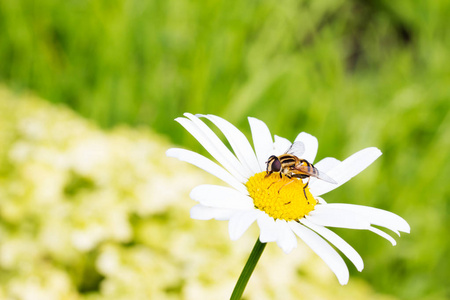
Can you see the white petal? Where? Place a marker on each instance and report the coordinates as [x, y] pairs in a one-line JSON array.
[[376, 216], [207, 165], [201, 212], [281, 145], [287, 240], [238, 142], [327, 164], [383, 234], [338, 242], [311, 145], [268, 228], [221, 197], [262, 141], [326, 216], [324, 250], [209, 140], [396, 232], [343, 172], [240, 222]]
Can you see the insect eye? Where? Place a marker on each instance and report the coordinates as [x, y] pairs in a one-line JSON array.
[[276, 165]]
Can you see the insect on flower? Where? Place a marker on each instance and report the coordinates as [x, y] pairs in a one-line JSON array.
[[290, 165]]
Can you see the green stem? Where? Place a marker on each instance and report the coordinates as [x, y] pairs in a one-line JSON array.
[[248, 270]]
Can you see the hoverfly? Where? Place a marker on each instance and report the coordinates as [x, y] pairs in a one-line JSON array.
[[290, 165]]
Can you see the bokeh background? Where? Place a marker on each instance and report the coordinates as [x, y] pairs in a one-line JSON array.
[[90, 208]]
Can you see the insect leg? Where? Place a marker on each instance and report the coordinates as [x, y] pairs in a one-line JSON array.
[[304, 189], [306, 185], [285, 185], [274, 182]]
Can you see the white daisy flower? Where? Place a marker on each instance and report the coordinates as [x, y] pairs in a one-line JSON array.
[[282, 207]]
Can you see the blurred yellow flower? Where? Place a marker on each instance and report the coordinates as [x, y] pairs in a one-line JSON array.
[[92, 214]]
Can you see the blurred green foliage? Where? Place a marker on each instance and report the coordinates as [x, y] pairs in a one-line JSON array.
[[94, 214], [352, 73]]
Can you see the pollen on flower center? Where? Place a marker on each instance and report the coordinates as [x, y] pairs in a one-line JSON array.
[[281, 198]]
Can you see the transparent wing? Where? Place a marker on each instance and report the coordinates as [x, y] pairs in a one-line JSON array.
[[325, 177], [310, 170], [297, 149]]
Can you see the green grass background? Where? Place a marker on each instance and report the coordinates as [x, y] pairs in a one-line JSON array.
[[353, 73]]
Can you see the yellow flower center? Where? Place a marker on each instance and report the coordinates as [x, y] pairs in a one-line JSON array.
[[281, 198]]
